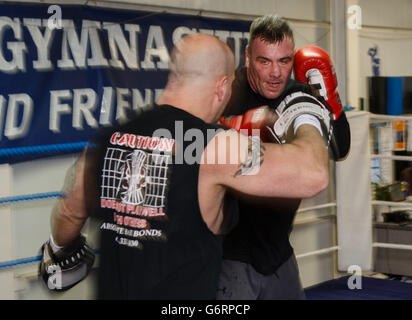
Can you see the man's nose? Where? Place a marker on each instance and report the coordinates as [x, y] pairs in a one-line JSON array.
[[275, 70]]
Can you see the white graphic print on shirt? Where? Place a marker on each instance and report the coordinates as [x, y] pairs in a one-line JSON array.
[[134, 185]]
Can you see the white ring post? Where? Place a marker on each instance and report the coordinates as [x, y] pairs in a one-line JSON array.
[[353, 198]]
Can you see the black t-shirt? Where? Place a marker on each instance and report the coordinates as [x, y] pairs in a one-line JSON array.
[[154, 242], [261, 237]]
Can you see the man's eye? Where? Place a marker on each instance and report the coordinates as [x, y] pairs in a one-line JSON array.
[[285, 61]]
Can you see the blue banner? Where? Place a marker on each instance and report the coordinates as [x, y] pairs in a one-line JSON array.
[[67, 70]]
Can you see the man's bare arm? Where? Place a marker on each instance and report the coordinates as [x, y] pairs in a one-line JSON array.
[[295, 170], [69, 213]]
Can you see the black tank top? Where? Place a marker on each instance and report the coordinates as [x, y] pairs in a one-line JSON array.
[[154, 242], [261, 238]]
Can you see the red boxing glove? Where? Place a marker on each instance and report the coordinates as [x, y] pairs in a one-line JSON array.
[[314, 66], [256, 118]]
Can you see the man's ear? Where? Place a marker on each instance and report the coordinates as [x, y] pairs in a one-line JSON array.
[[247, 56], [222, 87]]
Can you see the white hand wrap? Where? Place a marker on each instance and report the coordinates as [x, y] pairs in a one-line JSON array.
[[307, 119], [53, 245]]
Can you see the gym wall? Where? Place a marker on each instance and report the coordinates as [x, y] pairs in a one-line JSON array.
[[24, 226], [387, 28]]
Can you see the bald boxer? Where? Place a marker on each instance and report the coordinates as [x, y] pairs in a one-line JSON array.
[[160, 218], [259, 262]]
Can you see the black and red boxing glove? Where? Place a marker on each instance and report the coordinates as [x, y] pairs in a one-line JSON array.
[[314, 66], [280, 125], [257, 118]]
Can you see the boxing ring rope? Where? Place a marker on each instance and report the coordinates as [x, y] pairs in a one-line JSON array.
[[392, 245], [336, 248], [317, 252], [383, 156], [48, 149], [386, 117], [13, 263], [7, 200], [320, 206], [23, 261], [375, 245], [18, 262], [30, 197], [392, 204], [77, 147]]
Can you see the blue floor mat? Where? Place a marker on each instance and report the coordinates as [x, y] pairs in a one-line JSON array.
[[371, 289]]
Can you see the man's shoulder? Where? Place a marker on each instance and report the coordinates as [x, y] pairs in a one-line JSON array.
[[242, 98], [291, 87], [241, 75], [294, 86]]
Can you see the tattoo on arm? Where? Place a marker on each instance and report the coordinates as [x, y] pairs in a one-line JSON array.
[[70, 178], [68, 186], [254, 159]]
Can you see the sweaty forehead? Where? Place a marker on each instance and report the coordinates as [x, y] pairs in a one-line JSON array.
[[261, 47]]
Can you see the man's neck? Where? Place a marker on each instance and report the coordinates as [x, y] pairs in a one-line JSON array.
[[182, 103]]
